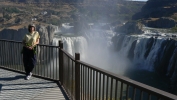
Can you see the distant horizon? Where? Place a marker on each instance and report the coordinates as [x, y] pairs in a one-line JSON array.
[[139, 0]]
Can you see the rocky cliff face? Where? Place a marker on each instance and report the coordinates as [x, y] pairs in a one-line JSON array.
[[51, 29], [46, 33], [163, 22], [158, 9], [130, 27]]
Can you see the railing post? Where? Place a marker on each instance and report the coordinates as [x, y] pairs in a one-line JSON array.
[[61, 62], [77, 77]]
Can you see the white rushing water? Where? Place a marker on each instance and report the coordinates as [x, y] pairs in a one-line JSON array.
[[96, 48]]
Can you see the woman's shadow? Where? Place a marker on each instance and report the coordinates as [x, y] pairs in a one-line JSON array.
[[12, 78]]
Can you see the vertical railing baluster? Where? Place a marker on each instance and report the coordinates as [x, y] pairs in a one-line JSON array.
[[3, 49], [14, 55], [68, 81], [99, 86], [72, 73], [116, 90], [81, 82], [111, 88], [77, 76], [127, 91], [1, 60], [103, 87], [90, 84], [57, 63], [44, 59], [39, 58], [5, 54], [85, 83], [53, 71], [96, 85], [8, 57], [93, 83], [56, 60], [18, 55], [134, 93], [107, 85], [50, 63], [141, 95], [20, 47], [61, 62], [2, 54], [149, 96], [121, 90], [48, 60]]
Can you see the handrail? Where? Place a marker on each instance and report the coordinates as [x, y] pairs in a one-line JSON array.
[[21, 42]]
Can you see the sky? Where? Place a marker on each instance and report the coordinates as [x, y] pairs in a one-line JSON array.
[[140, 0]]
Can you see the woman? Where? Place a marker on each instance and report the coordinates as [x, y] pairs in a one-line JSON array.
[[30, 41]]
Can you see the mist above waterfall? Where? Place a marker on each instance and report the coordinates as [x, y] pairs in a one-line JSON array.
[[95, 47]]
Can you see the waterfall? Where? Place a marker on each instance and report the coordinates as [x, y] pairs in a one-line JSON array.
[[104, 48], [153, 51], [95, 47], [73, 45]]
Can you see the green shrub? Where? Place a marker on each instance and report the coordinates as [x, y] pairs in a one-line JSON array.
[[174, 29], [53, 21], [11, 10], [7, 16]]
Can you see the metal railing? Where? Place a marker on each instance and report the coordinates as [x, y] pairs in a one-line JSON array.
[[81, 81], [47, 59]]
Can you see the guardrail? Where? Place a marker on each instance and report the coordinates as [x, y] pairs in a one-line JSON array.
[[81, 81], [47, 59]]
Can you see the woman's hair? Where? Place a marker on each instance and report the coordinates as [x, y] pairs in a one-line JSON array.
[[31, 25]]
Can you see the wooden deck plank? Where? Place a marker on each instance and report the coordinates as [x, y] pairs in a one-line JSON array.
[[13, 86]]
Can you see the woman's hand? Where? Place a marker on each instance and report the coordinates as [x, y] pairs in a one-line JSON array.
[[30, 48]]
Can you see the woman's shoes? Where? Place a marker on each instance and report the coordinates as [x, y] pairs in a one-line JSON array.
[[29, 76]]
